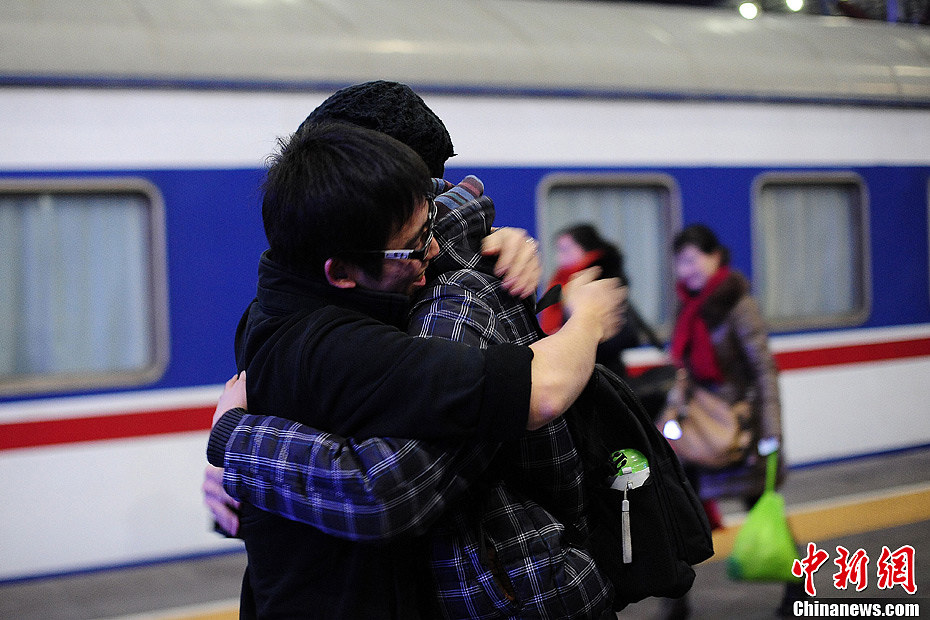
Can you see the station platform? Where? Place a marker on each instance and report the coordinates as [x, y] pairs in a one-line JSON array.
[[864, 503]]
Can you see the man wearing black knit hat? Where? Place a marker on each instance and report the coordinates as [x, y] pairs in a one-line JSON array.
[[393, 109]]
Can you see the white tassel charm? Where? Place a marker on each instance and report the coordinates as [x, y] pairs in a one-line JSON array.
[[627, 537]]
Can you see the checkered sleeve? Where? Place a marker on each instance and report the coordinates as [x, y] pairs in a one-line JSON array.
[[374, 489], [452, 310], [460, 230]]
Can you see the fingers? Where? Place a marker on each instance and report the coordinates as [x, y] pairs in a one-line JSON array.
[[518, 263], [615, 307], [579, 279], [504, 242], [522, 278], [622, 306], [232, 380], [227, 519], [587, 275], [221, 504], [213, 486], [602, 301], [233, 396]]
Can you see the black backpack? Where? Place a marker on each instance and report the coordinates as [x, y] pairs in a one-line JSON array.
[[668, 527]]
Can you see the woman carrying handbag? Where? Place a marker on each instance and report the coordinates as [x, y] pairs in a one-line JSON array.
[[720, 341]]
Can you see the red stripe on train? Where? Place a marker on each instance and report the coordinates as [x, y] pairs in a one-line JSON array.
[[121, 426], [853, 354], [841, 355]]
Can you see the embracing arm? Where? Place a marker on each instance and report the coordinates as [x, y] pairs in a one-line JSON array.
[[364, 490], [375, 489], [372, 489], [563, 362]]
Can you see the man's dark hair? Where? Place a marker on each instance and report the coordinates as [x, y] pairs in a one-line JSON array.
[[393, 109], [334, 190]]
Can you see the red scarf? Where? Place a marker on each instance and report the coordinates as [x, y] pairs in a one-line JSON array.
[[691, 336], [551, 318]]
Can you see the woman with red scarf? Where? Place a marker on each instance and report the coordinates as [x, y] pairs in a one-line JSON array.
[[579, 247], [721, 340]]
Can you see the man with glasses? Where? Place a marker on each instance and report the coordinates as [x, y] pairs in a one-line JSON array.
[[424, 238], [403, 271], [324, 342]]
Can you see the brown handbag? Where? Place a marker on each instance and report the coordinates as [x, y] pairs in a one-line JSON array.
[[713, 433]]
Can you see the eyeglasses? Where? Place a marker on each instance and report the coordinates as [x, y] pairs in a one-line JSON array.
[[418, 254]]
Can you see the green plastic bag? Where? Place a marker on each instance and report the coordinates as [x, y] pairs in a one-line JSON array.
[[764, 549]]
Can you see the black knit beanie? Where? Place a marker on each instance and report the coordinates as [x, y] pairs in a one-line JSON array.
[[393, 109]]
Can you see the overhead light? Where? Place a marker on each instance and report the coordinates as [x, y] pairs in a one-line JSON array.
[[749, 10]]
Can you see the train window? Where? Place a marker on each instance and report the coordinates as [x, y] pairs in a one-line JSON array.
[[83, 280], [810, 250], [635, 212]]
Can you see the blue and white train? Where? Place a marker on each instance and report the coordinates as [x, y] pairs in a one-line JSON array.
[[133, 137]]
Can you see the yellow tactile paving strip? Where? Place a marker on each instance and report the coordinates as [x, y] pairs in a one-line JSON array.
[[835, 519]]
